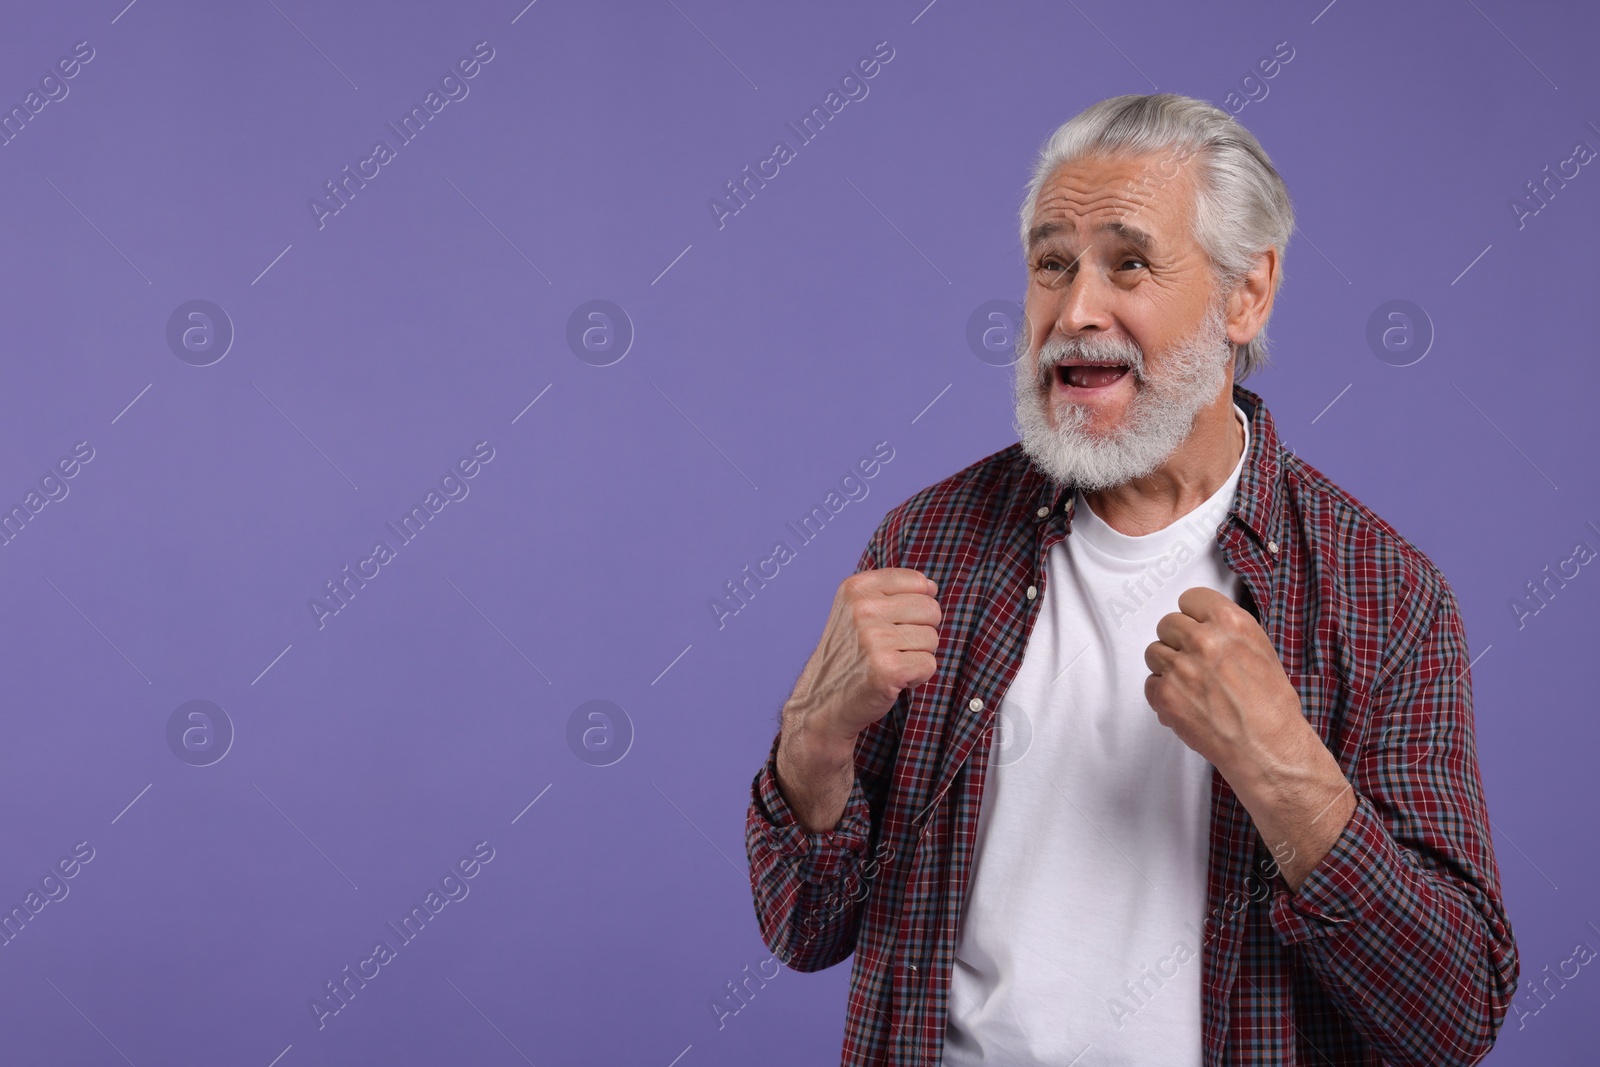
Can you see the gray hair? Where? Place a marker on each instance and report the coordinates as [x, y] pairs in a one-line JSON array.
[[1241, 206]]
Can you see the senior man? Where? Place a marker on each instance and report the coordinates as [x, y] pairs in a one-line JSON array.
[[1140, 741]]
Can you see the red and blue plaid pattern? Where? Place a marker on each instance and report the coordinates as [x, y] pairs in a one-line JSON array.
[[1395, 950]]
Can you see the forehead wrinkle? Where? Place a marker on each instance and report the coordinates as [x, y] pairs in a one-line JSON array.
[[1058, 232], [1069, 199], [1082, 203]]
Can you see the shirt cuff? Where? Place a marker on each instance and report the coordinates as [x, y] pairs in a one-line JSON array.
[[822, 856], [1341, 888]]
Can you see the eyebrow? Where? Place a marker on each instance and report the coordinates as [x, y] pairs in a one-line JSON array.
[[1133, 235]]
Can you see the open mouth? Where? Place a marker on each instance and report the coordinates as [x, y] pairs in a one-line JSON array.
[[1089, 376]]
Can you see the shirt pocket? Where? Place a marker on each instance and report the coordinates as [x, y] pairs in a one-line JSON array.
[[1340, 712]]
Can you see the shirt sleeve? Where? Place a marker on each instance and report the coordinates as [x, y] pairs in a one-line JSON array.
[[1402, 922], [810, 888]]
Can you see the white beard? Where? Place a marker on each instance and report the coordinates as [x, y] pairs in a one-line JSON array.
[[1158, 418]]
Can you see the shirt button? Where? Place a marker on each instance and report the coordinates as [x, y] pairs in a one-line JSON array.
[[1272, 546], [1042, 512], [975, 704], [1032, 592], [913, 970]]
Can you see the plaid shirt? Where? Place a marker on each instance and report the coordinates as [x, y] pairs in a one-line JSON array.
[[1396, 948]]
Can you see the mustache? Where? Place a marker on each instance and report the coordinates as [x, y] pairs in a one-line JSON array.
[[1105, 351]]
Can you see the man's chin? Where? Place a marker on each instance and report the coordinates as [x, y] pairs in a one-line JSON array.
[[1082, 455], [1078, 421]]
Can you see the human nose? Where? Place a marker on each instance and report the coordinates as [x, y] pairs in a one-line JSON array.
[[1081, 299]]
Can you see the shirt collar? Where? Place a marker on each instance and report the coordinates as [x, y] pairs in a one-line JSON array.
[[1257, 502]]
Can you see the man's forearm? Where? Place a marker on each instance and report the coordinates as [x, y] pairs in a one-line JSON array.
[[809, 894], [815, 773], [1420, 961], [1300, 805]]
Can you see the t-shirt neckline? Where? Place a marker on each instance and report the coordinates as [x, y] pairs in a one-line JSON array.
[[1199, 524]]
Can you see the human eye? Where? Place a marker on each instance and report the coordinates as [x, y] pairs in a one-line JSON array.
[[1052, 266]]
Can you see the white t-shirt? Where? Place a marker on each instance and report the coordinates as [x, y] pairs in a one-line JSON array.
[[1082, 924]]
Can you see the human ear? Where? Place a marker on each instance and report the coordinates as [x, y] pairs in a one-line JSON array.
[[1250, 301]]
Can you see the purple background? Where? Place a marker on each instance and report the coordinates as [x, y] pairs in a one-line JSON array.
[[769, 354]]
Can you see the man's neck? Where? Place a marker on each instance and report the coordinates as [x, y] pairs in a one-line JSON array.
[[1196, 470]]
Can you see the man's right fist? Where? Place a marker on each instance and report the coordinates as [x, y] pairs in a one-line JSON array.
[[880, 639]]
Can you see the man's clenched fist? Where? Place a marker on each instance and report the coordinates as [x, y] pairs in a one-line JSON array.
[[880, 639]]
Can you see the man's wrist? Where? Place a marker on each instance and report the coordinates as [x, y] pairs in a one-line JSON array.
[[810, 736], [1300, 803], [1274, 773]]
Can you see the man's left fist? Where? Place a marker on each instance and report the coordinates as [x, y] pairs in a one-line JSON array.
[[1216, 681]]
